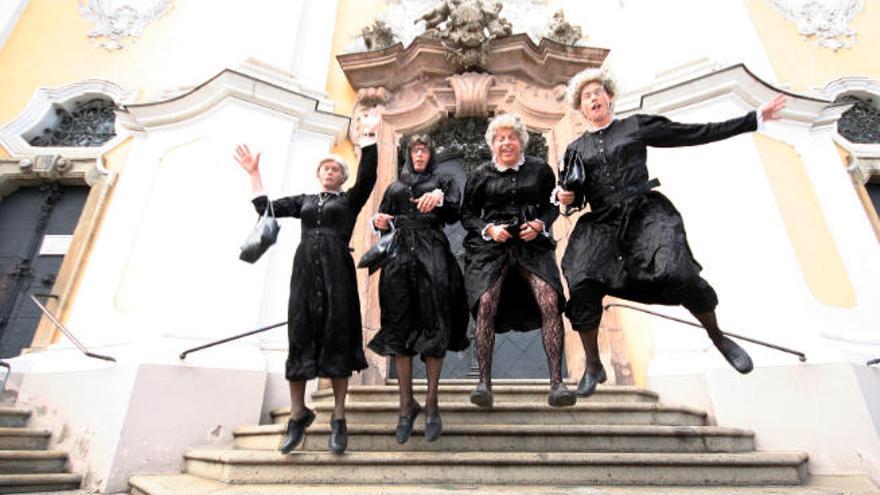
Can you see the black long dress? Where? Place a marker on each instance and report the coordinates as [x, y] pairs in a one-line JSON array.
[[421, 289], [510, 197], [324, 311], [632, 244]]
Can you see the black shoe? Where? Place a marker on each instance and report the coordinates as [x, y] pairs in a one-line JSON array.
[[433, 427], [587, 385], [338, 436], [482, 395], [405, 423], [561, 396], [734, 354], [296, 430]]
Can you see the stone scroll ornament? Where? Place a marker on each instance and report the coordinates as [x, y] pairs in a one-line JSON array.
[[825, 20], [117, 20]]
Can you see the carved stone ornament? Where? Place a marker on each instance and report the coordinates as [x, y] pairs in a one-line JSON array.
[[825, 20], [378, 35], [116, 20], [561, 31], [465, 28]]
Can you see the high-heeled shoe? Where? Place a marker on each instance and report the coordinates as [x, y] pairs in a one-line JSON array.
[[338, 436], [405, 423], [296, 430]]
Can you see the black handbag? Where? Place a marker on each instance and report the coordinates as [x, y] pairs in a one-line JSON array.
[[573, 176], [265, 234], [380, 253]]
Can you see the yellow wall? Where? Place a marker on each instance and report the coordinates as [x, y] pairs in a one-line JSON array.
[[817, 254], [352, 15], [803, 65]]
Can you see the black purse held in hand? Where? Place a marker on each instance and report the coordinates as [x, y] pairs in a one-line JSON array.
[[265, 234], [380, 253], [572, 176]]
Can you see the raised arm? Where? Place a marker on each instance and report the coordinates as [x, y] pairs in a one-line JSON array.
[[366, 177], [250, 163], [661, 132]]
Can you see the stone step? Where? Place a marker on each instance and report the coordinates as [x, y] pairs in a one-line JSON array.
[[522, 468], [11, 417], [635, 413], [38, 483], [516, 438], [185, 484], [24, 439], [32, 461], [531, 393]]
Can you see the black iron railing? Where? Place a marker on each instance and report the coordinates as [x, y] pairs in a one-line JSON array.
[[801, 356], [230, 339]]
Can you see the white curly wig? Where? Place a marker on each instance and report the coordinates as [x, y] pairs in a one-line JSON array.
[[508, 121], [584, 77], [337, 159]]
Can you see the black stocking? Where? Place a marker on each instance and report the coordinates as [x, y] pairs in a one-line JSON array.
[[484, 330], [551, 324]]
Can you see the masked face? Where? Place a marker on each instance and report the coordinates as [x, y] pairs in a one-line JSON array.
[[506, 146], [330, 175], [596, 104], [419, 155]]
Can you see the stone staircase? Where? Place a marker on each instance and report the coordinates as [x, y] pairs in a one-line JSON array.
[[26, 464], [620, 436]]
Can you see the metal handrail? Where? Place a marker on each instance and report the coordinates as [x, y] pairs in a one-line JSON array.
[[67, 333], [873, 362], [801, 356], [230, 339]]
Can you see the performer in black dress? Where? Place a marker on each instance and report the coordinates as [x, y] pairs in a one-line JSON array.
[[421, 289], [324, 312], [632, 244], [511, 273]]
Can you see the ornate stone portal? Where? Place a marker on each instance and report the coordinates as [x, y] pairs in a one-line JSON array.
[[420, 90]]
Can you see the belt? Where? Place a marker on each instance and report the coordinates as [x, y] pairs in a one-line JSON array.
[[623, 194], [408, 222]]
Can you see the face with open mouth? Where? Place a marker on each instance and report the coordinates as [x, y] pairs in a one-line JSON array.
[[596, 104], [506, 146]]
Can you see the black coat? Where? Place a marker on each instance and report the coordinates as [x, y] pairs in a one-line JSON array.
[[633, 237], [324, 311], [492, 196], [421, 288]]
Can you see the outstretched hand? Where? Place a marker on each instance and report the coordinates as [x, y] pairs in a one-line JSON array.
[[769, 111], [248, 161]]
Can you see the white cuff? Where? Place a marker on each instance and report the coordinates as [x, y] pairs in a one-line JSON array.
[[544, 232], [440, 192], [375, 229], [485, 232], [553, 199], [261, 192], [760, 119], [366, 140]]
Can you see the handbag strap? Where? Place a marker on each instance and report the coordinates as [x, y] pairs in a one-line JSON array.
[[269, 209]]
